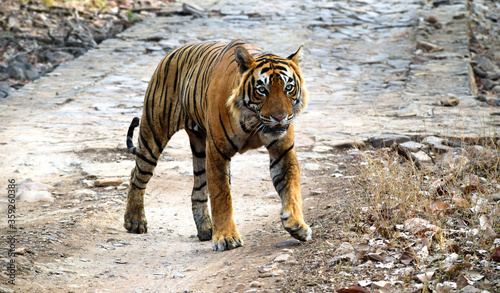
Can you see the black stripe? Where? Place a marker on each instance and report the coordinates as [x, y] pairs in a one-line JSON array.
[[242, 125], [281, 157], [142, 172], [145, 182], [145, 144], [217, 148], [199, 200], [227, 136], [199, 155], [146, 159], [199, 173], [277, 181], [280, 68], [141, 188], [281, 190], [264, 70], [272, 143], [200, 187]]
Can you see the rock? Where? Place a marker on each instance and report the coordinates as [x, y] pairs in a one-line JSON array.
[[282, 257], [428, 47], [431, 19], [451, 101], [6, 290], [485, 63], [488, 84], [108, 182], [322, 149], [178, 276], [387, 140], [84, 192], [193, 9], [34, 192], [238, 288], [311, 166], [4, 89], [495, 89], [436, 144], [289, 242], [495, 197], [413, 146], [58, 57], [169, 44], [30, 72], [422, 156], [255, 284], [469, 289], [16, 71], [20, 251]]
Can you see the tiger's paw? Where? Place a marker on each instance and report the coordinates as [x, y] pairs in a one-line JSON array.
[[136, 223], [297, 228], [205, 234], [226, 241]]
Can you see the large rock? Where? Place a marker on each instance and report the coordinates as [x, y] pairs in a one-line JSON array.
[[387, 140]]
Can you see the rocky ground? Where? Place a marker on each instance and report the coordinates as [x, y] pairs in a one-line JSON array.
[[36, 38], [420, 216]]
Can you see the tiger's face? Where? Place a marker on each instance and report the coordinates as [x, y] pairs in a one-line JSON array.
[[271, 92]]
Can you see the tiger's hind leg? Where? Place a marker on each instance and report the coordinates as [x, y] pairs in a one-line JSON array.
[[147, 154], [199, 196]]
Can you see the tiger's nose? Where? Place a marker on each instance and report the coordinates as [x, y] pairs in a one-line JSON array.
[[279, 118]]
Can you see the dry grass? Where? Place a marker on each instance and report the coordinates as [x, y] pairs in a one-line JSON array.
[[393, 222]]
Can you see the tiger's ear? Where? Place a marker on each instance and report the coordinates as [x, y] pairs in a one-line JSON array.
[[295, 57], [245, 61]]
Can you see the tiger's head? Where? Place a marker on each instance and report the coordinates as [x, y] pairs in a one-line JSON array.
[[271, 92]]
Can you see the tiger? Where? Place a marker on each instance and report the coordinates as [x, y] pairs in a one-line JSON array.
[[229, 98]]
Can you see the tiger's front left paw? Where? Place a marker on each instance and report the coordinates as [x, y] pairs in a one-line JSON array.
[[226, 241], [297, 228]]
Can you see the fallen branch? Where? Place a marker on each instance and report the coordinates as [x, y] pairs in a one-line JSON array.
[[405, 153]]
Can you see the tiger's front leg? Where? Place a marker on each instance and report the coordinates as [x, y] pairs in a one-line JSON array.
[[285, 174], [225, 235]]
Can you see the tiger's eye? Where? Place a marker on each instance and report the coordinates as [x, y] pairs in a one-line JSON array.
[[261, 91], [289, 87]]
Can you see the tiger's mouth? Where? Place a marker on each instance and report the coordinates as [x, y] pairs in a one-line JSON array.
[[275, 129]]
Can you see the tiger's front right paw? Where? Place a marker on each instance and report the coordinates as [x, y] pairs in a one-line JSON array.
[[136, 223], [297, 228], [226, 241]]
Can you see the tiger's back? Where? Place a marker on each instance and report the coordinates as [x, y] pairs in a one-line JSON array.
[[229, 98]]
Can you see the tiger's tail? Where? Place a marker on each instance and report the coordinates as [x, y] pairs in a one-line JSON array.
[[130, 134]]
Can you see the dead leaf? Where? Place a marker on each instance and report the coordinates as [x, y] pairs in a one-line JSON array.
[[419, 226], [380, 284], [472, 183], [448, 262], [441, 206], [407, 256], [354, 289], [496, 255], [425, 277], [453, 248], [439, 187], [377, 256], [459, 201], [359, 255], [454, 269]]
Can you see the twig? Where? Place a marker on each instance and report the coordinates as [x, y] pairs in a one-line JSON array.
[[405, 153]]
